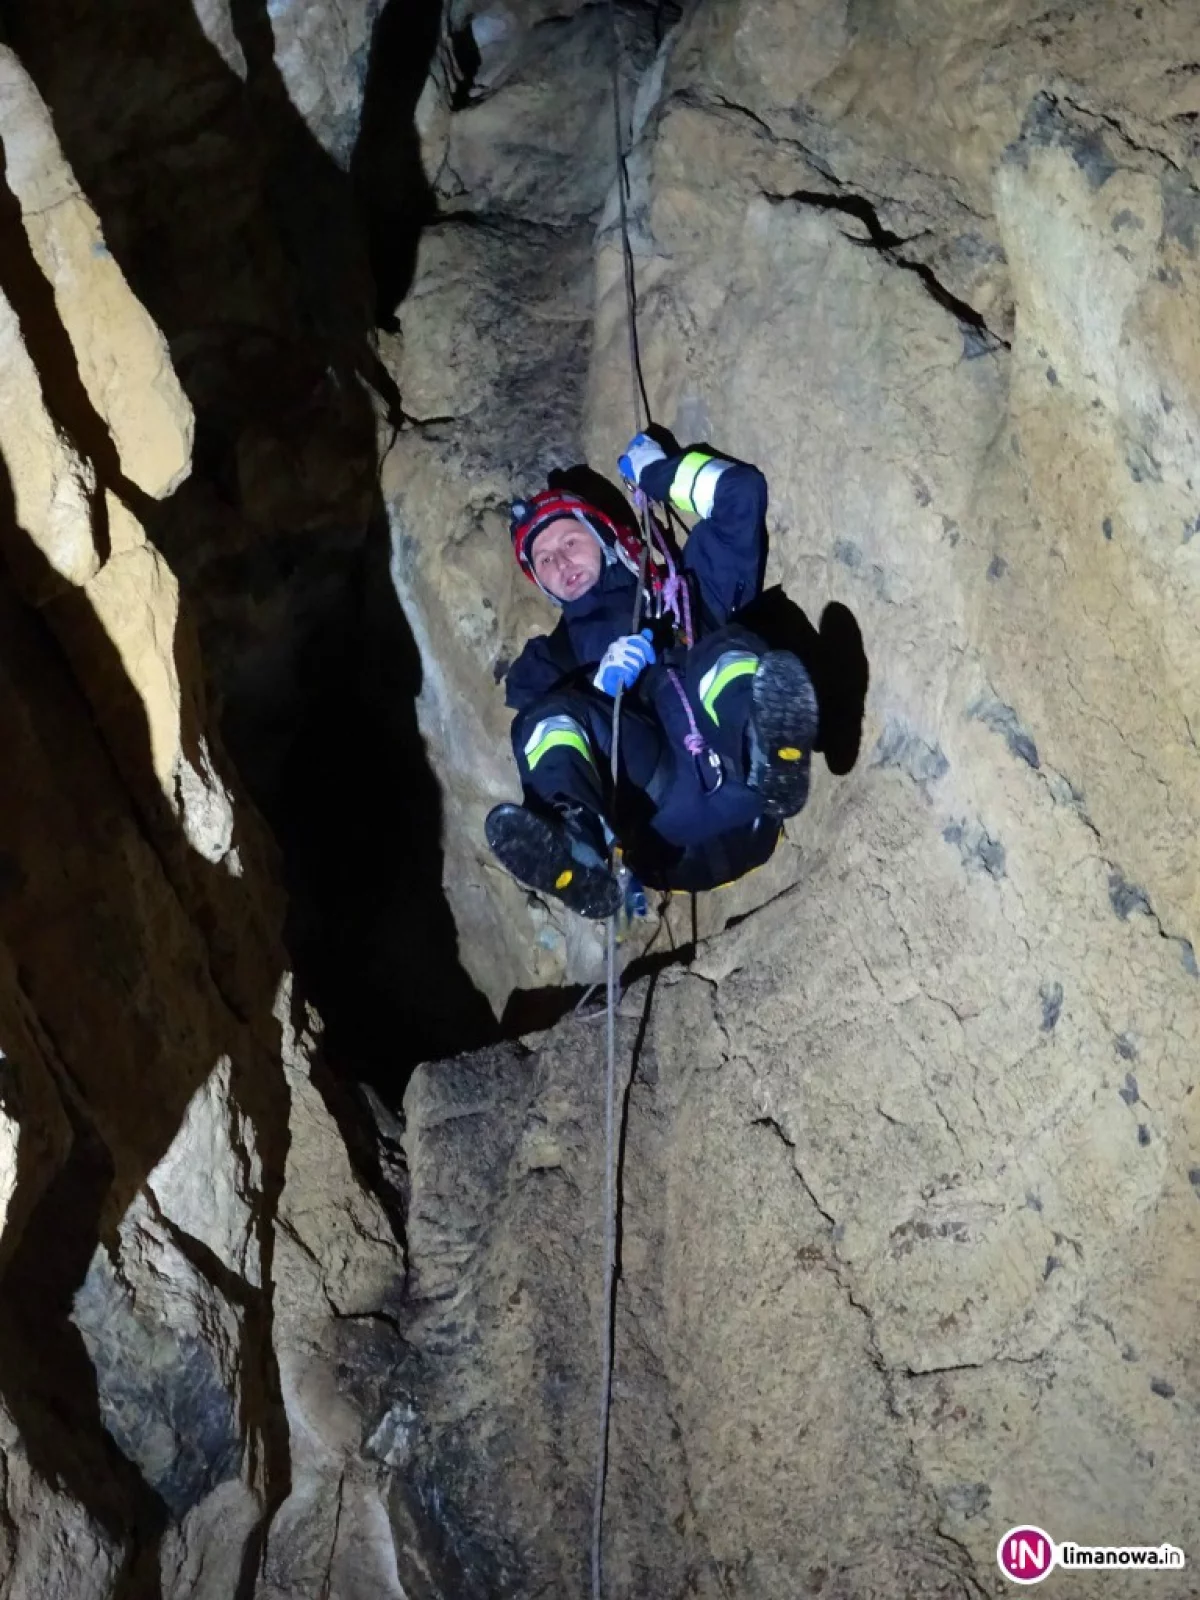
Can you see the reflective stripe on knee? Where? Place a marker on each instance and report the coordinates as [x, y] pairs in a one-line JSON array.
[[695, 483], [732, 664], [553, 733]]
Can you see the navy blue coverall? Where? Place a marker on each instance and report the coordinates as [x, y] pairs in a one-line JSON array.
[[675, 833]]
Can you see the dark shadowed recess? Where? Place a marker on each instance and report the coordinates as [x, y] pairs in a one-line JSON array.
[[389, 181], [836, 661], [266, 264], [65, 801], [248, 246]]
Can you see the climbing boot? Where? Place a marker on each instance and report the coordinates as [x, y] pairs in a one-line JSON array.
[[562, 855], [783, 727]]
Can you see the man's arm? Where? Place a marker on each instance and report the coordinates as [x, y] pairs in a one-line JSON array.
[[727, 548], [538, 669]]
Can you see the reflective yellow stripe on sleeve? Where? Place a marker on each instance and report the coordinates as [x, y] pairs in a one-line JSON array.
[[694, 486], [684, 481]]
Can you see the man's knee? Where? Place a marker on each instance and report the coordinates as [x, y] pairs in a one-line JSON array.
[[721, 670], [730, 636], [550, 735]]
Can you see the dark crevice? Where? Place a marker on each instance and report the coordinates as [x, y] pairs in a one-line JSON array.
[[265, 264], [785, 1139], [511, 225], [973, 1366], [690, 97], [371, 1134], [889, 244], [465, 53], [538, 1010], [358, 812], [333, 1542], [384, 1318], [1116, 126], [393, 195], [279, 538], [776, 1128]]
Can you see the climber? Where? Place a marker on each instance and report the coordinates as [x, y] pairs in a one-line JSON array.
[[716, 730]]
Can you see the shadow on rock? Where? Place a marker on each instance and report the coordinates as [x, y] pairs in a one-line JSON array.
[[131, 964], [393, 193], [836, 662], [266, 264], [108, 988]]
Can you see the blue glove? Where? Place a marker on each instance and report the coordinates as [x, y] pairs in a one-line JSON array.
[[624, 662], [640, 452]]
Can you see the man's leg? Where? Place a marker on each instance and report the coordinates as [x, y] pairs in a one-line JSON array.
[[556, 842], [757, 709]]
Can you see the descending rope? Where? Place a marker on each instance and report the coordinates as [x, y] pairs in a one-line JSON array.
[[641, 402], [641, 411], [610, 1246]]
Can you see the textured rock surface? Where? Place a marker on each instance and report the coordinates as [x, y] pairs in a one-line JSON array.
[[254, 181], [910, 1195], [492, 366], [185, 1244], [48, 1544], [893, 1278], [909, 1181]]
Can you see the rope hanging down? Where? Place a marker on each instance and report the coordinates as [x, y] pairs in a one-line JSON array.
[[641, 411], [641, 403]]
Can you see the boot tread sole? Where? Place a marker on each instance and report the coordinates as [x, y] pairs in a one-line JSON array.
[[538, 854], [785, 720]]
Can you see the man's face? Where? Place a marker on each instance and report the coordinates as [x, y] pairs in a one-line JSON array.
[[567, 558]]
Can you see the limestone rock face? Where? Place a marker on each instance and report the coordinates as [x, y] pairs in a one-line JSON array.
[[254, 178], [185, 1245], [492, 363], [48, 1544], [907, 1126], [909, 1182]]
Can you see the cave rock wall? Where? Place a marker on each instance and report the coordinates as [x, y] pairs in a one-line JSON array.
[[910, 1199], [188, 1254]]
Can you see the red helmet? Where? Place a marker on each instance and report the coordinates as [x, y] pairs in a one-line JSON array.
[[618, 540]]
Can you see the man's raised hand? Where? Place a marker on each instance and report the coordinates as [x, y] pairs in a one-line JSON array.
[[640, 452]]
